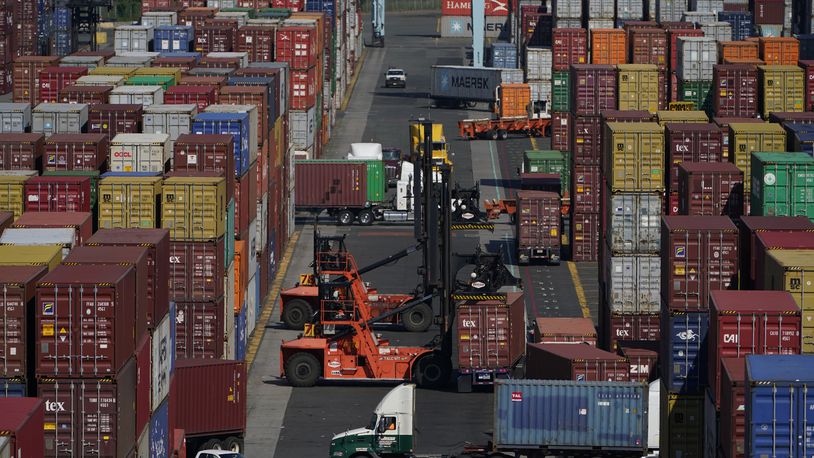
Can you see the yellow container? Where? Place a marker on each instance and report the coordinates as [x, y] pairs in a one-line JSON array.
[[635, 154], [194, 208], [746, 138], [129, 202], [638, 87], [681, 425], [782, 88], [690, 116], [793, 271], [159, 71], [31, 255], [117, 71], [12, 194]]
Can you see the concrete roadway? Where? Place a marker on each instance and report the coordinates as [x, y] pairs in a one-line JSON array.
[[286, 422]]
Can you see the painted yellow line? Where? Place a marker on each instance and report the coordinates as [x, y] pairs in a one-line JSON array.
[[533, 143], [438, 25], [270, 301], [583, 302], [357, 71]]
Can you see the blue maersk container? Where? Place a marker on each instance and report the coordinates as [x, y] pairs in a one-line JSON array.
[[779, 419], [173, 38], [503, 55], [160, 430], [268, 81], [240, 334], [568, 415], [236, 124], [195, 55], [741, 22], [13, 388], [684, 349]]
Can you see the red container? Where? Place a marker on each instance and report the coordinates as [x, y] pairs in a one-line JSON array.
[[581, 363], [158, 5], [699, 255], [245, 202], [673, 36], [76, 152], [256, 40], [710, 189], [90, 417], [732, 428], [536, 26], [593, 89], [767, 11], [749, 227], [184, 63], [199, 329], [115, 119], [586, 186], [296, 45], [27, 77], [22, 422], [202, 96], [649, 46], [217, 406], [195, 16], [808, 68], [196, 271], [586, 143], [293, 5], [157, 242], [303, 89], [54, 79], [584, 236], [58, 194], [564, 330], [569, 46], [18, 283], [735, 90], [219, 62], [21, 151], [85, 320], [618, 329], [251, 95], [560, 130], [643, 362], [92, 95], [135, 257], [776, 240], [491, 333], [692, 142], [347, 184], [216, 36], [81, 222]]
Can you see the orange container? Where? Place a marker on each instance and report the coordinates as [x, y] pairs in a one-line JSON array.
[[514, 100], [744, 61], [608, 46], [738, 50], [779, 50], [241, 272]]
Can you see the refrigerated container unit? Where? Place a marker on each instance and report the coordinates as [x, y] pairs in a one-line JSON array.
[[141, 95], [20, 151], [53, 118], [15, 117]]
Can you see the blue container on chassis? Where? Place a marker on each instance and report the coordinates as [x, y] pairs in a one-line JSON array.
[[173, 38], [684, 349], [13, 388], [273, 87], [568, 415], [236, 124], [778, 406]]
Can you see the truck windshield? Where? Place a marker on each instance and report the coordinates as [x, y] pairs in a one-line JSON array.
[[391, 155], [438, 146], [372, 425]]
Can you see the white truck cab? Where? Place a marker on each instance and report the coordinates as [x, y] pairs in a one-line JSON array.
[[218, 454], [395, 77]]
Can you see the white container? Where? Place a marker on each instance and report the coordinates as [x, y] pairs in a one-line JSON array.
[[63, 236], [600, 24], [162, 361], [243, 56], [302, 126], [512, 76], [15, 117], [90, 62], [143, 95], [253, 122], [634, 283], [140, 153], [696, 57], [174, 120], [241, 17], [100, 80], [262, 222], [600, 9], [700, 17], [132, 38], [629, 10], [141, 54], [538, 63], [128, 61], [568, 9], [59, 118], [158, 18], [365, 152], [720, 31], [708, 5], [540, 91], [219, 4], [670, 10], [567, 23]]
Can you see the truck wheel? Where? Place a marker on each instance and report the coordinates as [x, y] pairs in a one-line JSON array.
[[491, 135], [502, 134], [302, 370], [417, 319], [211, 444], [432, 371], [366, 217], [233, 444], [296, 313], [345, 218]]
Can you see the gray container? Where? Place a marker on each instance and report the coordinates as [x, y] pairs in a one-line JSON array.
[[670, 10], [461, 27], [708, 5], [600, 9], [158, 18], [169, 119], [466, 83], [100, 80], [567, 9], [243, 56], [59, 118], [303, 126], [600, 24], [132, 38], [63, 236], [633, 283], [137, 95], [241, 17], [769, 30], [629, 10], [221, 4], [538, 63], [720, 31], [540, 91], [90, 62], [512, 76], [128, 61], [696, 58], [15, 117], [700, 17], [283, 81], [634, 223], [567, 23]]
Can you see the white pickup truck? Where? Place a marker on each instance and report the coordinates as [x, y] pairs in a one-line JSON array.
[[395, 77]]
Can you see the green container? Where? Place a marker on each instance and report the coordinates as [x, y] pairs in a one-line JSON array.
[[252, 12], [127, 10], [561, 92], [549, 161], [229, 235], [697, 92], [94, 182], [281, 13], [376, 178], [782, 184], [165, 81]]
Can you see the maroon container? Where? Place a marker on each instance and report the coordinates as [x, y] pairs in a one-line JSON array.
[[586, 140], [781, 117], [217, 81], [303, 88], [586, 188], [196, 17], [144, 377], [673, 36], [491, 333], [616, 329], [741, 7], [206, 153], [200, 329], [18, 284], [157, 242], [643, 362], [649, 46], [256, 40], [22, 422], [582, 363], [90, 417], [81, 222], [54, 79], [710, 189], [184, 63], [732, 428], [584, 236], [560, 130], [245, 202], [115, 119], [692, 142], [767, 11], [735, 90], [135, 257], [538, 226], [216, 36], [77, 152], [215, 407], [569, 46], [750, 323], [723, 124], [749, 227], [85, 320], [593, 89], [671, 25], [92, 95], [330, 185], [627, 116], [776, 240], [27, 77], [58, 194], [196, 270], [699, 255], [6, 218], [251, 95], [219, 62], [21, 151], [564, 330], [808, 68], [202, 96]]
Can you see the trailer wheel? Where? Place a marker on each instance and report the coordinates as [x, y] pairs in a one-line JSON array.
[[296, 313], [417, 319], [345, 217], [366, 217], [432, 371], [302, 369], [502, 134], [233, 444], [211, 444], [491, 134]]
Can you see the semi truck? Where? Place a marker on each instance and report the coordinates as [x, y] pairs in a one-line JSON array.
[[440, 148], [457, 86], [515, 114]]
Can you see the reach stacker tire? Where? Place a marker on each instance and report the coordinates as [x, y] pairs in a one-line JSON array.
[[432, 371], [417, 319], [296, 313], [303, 370]]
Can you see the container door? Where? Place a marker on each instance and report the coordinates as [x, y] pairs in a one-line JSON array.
[[97, 419], [97, 348], [55, 313], [59, 426]]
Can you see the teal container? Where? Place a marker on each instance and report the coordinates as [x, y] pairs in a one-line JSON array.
[[229, 236], [376, 178], [697, 92], [552, 162], [782, 184], [561, 91], [165, 81], [282, 13]]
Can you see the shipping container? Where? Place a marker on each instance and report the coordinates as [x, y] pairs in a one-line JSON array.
[[22, 425], [608, 47], [750, 226], [339, 185], [196, 270], [216, 407], [253, 124], [792, 270], [491, 335], [782, 88], [194, 208], [748, 138], [782, 184], [740, 22], [684, 351], [55, 118], [569, 46], [643, 361], [21, 151], [777, 240], [560, 130], [584, 236], [53, 79], [59, 194], [200, 329], [581, 363], [76, 152], [26, 76], [710, 189], [808, 70], [564, 330], [18, 283], [696, 57], [686, 117], [129, 200], [170, 119], [202, 96], [633, 283], [12, 192], [64, 237], [779, 50], [681, 426], [81, 223], [638, 87], [731, 430], [690, 142], [749, 50], [236, 124], [173, 38], [617, 328], [735, 91], [633, 223], [593, 88], [115, 119], [15, 117], [672, 37], [91, 95], [538, 226], [141, 95], [133, 38], [634, 154]]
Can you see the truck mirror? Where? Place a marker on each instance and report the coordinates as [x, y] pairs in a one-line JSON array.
[[382, 426]]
